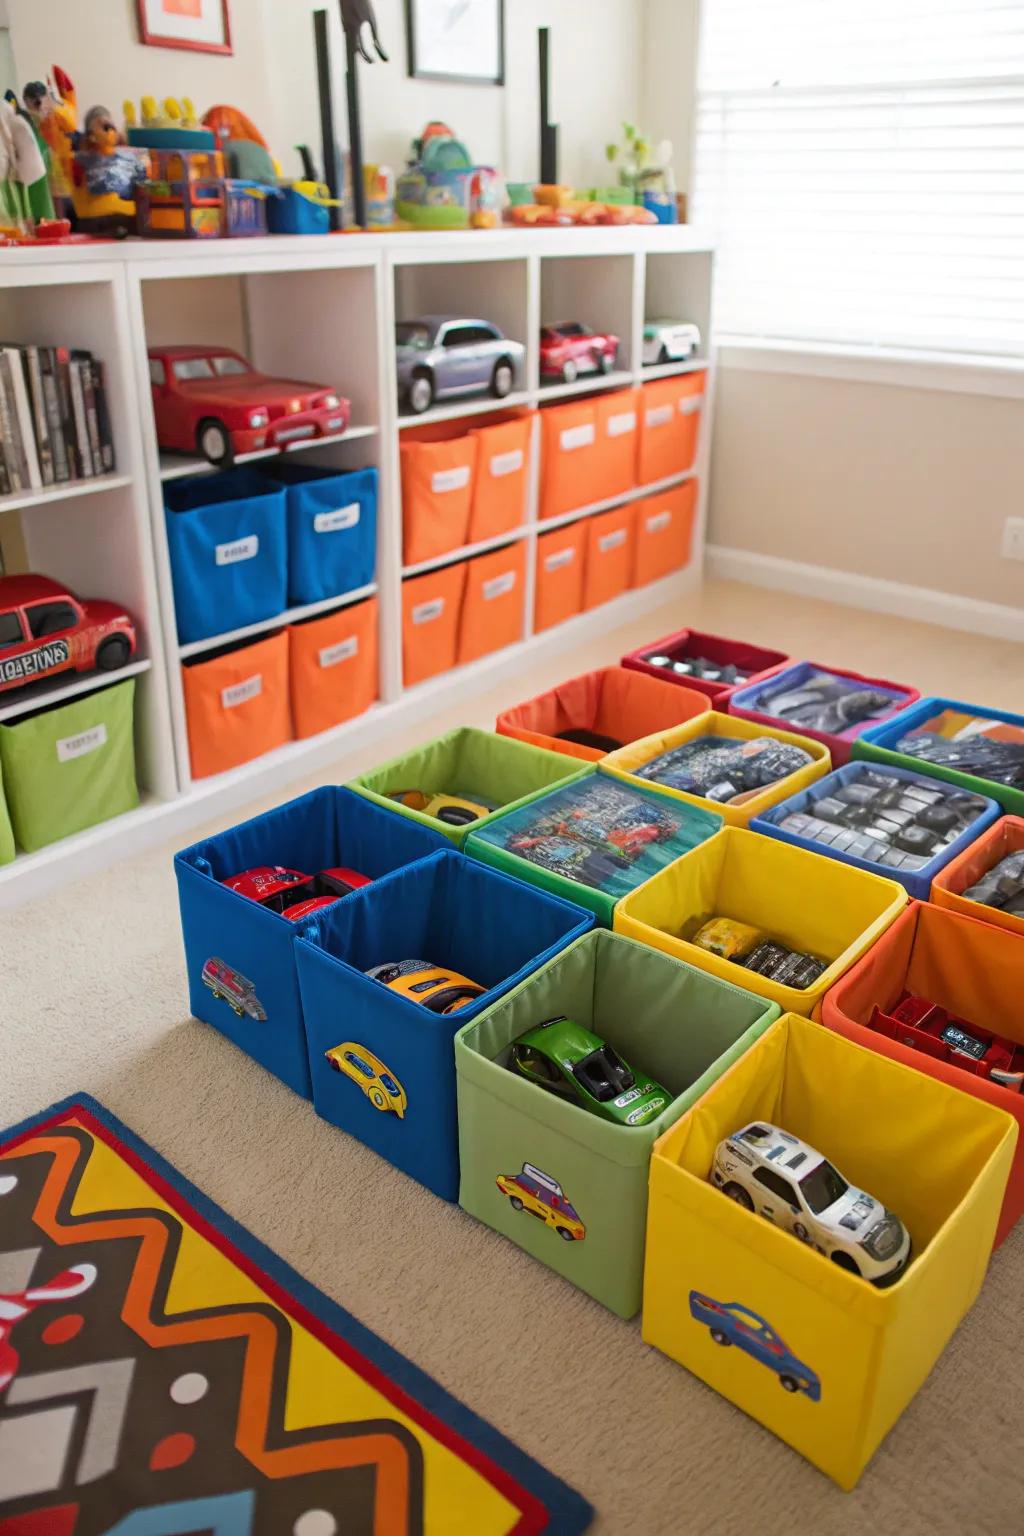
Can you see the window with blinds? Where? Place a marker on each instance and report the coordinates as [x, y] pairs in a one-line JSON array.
[[861, 165]]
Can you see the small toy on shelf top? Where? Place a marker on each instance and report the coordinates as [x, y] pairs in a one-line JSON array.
[[669, 341], [442, 355], [569, 349], [105, 176], [53, 109], [646, 174], [46, 630], [443, 189]]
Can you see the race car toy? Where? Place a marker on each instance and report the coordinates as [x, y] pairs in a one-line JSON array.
[[293, 894], [453, 810], [383, 1090], [563, 1058], [432, 986], [45, 630], [783, 1179], [570, 349]]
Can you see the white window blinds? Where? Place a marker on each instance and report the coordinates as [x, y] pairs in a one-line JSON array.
[[861, 164]]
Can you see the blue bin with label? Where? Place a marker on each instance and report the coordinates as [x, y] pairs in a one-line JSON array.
[[227, 536], [332, 529], [393, 1085]]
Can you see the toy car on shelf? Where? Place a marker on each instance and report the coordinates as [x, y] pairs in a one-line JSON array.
[[443, 355], [453, 810], [432, 986], [540, 1195], [383, 1090], [231, 987], [669, 341], [209, 400], [729, 1322], [566, 1059], [925, 1027], [293, 894], [45, 630], [782, 1178], [569, 349]]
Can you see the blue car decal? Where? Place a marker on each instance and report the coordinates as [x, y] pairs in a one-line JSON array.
[[731, 1322]]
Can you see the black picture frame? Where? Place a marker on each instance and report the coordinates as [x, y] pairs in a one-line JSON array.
[[417, 72]]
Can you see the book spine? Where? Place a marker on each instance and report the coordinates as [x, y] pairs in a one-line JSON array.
[[5, 479], [91, 419], [82, 450], [9, 428], [23, 410], [51, 397], [67, 412], [34, 368], [103, 419]]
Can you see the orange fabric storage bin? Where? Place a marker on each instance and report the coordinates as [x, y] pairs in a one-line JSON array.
[[561, 563], [1002, 838], [431, 609], [571, 458], [502, 477], [607, 702], [492, 606], [971, 969], [236, 705], [670, 426], [610, 540], [664, 533], [437, 492], [333, 667], [618, 432]]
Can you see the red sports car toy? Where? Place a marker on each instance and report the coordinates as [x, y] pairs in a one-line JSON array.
[[293, 894], [568, 350], [211, 401], [44, 629]]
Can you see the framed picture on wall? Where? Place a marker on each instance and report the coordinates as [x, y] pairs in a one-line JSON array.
[[457, 40], [203, 26]]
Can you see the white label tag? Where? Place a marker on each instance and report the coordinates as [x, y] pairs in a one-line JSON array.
[[79, 746], [333, 522], [689, 405], [561, 557], [577, 437], [498, 586], [450, 480], [426, 613], [342, 651], [621, 425], [507, 463], [238, 549], [241, 693], [610, 541], [660, 416], [658, 521]]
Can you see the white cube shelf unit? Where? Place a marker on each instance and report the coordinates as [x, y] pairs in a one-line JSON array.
[[322, 309]]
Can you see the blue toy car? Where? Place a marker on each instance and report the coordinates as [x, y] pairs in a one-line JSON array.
[[442, 355], [732, 1323]]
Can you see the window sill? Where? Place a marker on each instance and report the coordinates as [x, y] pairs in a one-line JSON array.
[[906, 367]]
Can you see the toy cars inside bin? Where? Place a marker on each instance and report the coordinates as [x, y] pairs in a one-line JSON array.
[[631, 761], [455, 914], [953, 731], [502, 477], [950, 886], [971, 969], [814, 906], [236, 704], [664, 533], [754, 701], [611, 540], [735, 661], [667, 1021], [821, 1357], [69, 766], [611, 702], [473, 765], [431, 612], [332, 529], [493, 602], [979, 814], [592, 840], [561, 566], [326, 829], [438, 470], [227, 537], [332, 667]]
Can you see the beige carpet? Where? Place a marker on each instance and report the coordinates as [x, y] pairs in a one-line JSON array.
[[92, 996]]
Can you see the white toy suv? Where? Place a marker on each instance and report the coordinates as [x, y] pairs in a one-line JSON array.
[[670, 341], [780, 1177]]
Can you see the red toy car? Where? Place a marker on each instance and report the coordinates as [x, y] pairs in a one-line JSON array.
[[568, 350], [44, 629], [211, 401], [293, 894]]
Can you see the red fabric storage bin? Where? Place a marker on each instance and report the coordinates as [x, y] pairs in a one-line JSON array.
[[609, 570], [611, 702], [664, 533], [618, 432], [754, 660], [670, 426], [561, 565], [431, 610], [333, 667], [492, 606]]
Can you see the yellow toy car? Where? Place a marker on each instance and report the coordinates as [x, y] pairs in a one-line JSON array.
[[383, 1090], [453, 810], [539, 1194], [432, 986]]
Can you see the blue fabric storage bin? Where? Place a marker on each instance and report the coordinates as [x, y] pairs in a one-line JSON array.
[[227, 537], [322, 830], [332, 530], [446, 909], [882, 744], [917, 882]]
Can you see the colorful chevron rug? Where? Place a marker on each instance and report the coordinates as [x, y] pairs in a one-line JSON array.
[[164, 1374]]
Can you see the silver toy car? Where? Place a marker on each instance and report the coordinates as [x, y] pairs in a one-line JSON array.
[[670, 341], [780, 1177], [440, 355]]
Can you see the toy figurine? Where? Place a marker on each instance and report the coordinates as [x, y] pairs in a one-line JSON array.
[[55, 118], [105, 176], [22, 172]]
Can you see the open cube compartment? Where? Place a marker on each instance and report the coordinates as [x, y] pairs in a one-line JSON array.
[[667, 1021], [849, 1355], [972, 970], [755, 661], [612, 702], [753, 701], [951, 884], [882, 744], [327, 829], [450, 912]]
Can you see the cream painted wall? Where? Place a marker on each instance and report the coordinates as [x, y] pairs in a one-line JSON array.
[[669, 43]]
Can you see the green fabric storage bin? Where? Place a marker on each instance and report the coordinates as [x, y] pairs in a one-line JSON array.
[[6, 830], [473, 765], [667, 1019], [68, 768]]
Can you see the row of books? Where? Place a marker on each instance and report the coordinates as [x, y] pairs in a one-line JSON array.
[[54, 423]]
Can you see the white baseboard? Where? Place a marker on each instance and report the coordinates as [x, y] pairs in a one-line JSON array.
[[946, 609]]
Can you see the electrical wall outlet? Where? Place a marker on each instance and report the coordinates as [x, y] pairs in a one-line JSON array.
[[1013, 538]]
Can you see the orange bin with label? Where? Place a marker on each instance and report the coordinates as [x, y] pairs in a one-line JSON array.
[[561, 565], [664, 533], [492, 606], [670, 426], [431, 610], [572, 462], [618, 432], [438, 471], [236, 705], [610, 542], [502, 477], [333, 667]]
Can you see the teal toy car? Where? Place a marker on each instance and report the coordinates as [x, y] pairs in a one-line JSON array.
[[564, 1058]]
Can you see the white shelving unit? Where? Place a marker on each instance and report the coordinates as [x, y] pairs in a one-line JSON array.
[[321, 309]]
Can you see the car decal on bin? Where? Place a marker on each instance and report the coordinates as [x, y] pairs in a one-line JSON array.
[[233, 988], [380, 1085], [730, 1322], [536, 1193]]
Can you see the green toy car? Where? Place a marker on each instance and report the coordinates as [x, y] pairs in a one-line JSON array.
[[564, 1058]]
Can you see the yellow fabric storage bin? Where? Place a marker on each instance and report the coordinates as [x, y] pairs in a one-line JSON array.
[[629, 761], [853, 1355], [801, 899]]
